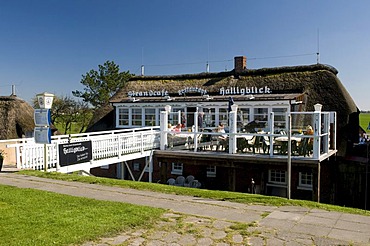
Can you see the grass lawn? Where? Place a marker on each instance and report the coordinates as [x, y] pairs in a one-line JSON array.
[[212, 194], [33, 217], [364, 121]]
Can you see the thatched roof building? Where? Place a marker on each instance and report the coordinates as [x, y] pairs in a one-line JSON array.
[[310, 84], [16, 118]]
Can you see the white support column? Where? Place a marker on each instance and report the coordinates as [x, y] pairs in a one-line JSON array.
[[232, 131], [317, 133], [233, 119], [271, 138], [195, 131], [333, 129], [164, 129], [325, 129], [179, 117]]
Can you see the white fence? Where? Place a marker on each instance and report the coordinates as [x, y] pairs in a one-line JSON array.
[[108, 147]]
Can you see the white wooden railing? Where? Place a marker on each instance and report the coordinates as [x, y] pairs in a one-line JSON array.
[[108, 147]]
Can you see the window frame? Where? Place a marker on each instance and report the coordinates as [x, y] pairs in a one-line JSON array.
[[275, 181], [211, 171], [305, 185], [177, 168]]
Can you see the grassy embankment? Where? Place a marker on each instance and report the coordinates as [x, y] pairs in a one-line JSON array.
[[211, 194], [33, 217]]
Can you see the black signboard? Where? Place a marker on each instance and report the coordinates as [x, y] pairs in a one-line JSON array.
[[74, 153]]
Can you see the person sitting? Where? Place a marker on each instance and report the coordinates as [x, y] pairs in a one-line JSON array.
[[306, 145], [221, 129], [221, 139], [177, 128], [309, 130]]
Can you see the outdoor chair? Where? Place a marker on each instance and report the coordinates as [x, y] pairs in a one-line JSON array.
[[254, 144], [188, 180], [241, 144], [305, 147], [266, 145], [171, 181], [180, 181]]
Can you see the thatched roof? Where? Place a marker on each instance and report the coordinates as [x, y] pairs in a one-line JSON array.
[[319, 82], [16, 118]]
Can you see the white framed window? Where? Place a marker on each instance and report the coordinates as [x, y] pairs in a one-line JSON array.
[[243, 116], [223, 116], [211, 171], [260, 115], [175, 115], [305, 181], [277, 177], [177, 168], [279, 118], [123, 117], [137, 115], [150, 117], [209, 117]]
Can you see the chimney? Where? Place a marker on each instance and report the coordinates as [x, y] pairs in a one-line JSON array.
[[13, 91], [240, 64]]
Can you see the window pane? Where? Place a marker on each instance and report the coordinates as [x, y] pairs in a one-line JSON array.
[[209, 117], [223, 116], [260, 114], [150, 117], [279, 118], [277, 176], [305, 179], [243, 116], [136, 117], [123, 117]]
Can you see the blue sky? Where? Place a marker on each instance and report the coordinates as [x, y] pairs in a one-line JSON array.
[[47, 45]]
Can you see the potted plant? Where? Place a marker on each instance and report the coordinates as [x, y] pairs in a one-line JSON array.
[[2, 157]]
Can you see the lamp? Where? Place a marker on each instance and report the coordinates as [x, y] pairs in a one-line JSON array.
[[45, 100], [234, 107], [133, 99], [168, 98], [317, 107], [167, 108], [207, 97]]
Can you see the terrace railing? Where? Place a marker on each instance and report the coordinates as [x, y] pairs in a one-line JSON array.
[[316, 143]]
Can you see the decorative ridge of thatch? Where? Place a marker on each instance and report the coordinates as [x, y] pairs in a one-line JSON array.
[[290, 69], [259, 71], [10, 98]]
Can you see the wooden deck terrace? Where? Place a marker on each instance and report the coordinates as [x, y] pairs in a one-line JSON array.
[[226, 159], [249, 148]]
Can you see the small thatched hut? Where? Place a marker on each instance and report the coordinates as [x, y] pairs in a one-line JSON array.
[[16, 118]]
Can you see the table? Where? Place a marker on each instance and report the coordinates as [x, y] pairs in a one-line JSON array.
[[283, 140]]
